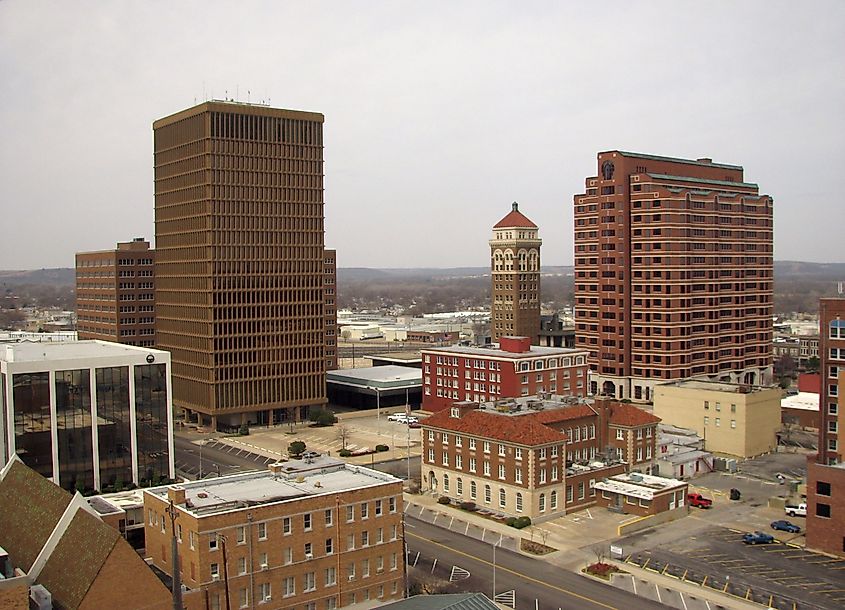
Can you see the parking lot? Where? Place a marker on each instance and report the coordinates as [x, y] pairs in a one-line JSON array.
[[781, 575]]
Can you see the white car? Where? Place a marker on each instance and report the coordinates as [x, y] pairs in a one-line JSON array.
[[400, 417]]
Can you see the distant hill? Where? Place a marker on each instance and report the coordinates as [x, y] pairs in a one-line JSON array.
[[55, 277]]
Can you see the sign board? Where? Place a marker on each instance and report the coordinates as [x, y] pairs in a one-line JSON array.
[[615, 551]]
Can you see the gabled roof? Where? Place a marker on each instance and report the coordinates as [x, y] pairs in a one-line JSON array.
[[519, 429], [629, 416], [515, 218], [30, 508]]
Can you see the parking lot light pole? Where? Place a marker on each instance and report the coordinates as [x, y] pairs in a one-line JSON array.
[[494, 568]]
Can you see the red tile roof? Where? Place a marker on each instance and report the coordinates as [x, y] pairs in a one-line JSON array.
[[523, 429], [515, 218], [629, 416]]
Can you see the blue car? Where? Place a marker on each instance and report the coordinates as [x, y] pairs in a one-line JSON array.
[[785, 526], [757, 538]]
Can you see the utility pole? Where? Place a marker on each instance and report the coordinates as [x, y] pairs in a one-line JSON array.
[[225, 570], [176, 588]]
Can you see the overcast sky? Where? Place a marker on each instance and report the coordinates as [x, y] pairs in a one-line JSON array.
[[438, 114]]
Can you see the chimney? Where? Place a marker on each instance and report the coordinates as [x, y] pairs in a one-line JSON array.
[[176, 493], [515, 345]]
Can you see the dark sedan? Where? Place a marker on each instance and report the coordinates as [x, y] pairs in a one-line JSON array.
[[785, 526]]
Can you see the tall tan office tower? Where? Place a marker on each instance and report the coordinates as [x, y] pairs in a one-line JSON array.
[[515, 271], [673, 274], [239, 261]]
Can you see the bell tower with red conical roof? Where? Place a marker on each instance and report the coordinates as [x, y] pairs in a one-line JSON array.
[[515, 269]]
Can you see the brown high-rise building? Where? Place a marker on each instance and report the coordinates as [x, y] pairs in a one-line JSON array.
[[329, 292], [240, 260], [673, 274], [115, 294], [515, 271], [826, 470]]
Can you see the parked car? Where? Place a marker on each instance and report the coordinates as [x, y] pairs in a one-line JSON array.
[[414, 424], [400, 417], [785, 526], [796, 510], [758, 538], [699, 501]]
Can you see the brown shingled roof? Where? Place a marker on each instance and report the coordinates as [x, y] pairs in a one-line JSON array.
[[629, 416], [77, 559], [515, 218], [518, 429], [30, 507]]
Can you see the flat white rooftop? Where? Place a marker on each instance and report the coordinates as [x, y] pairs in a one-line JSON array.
[[295, 479], [383, 377], [642, 486], [807, 401], [715, 386], [495, 352], [73, 350]]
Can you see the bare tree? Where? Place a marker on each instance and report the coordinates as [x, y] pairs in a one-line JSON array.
[[343, 433]]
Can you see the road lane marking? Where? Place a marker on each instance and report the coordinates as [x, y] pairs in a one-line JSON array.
[[515, 573]]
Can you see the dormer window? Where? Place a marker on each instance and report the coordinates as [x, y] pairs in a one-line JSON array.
[[455, 412]]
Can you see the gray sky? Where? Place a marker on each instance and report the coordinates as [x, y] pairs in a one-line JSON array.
[[438, 114]]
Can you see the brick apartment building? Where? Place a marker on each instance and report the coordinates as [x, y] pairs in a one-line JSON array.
[[673, 274], [826, 470], [312, 535], [240, 263], [510, 369], [515, 272], [535, 457], [115, 294]]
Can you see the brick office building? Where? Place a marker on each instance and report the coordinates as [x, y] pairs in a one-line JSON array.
[[510, 369], [826, 470], [515, 272], [330, 304], [240, 264], [115, 294], [673, 274], [535, 457], [301, 535]]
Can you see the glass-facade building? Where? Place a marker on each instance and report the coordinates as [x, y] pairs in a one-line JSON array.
[[90, 415]]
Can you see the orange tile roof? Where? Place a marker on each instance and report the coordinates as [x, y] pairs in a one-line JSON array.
[[629, 416], [515, 218], [518, 429], [564, 413]]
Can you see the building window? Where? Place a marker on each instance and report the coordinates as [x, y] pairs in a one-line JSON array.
[[329, 518], [242, 566], [309, 552], [329, 546], [822, 488], [288, 586], [472, 443], [215, 571], [518, 474], [431, 456], [569, 493], [517, 453], [309, 581], [391, 504], [241, 535], [501, 471], [620, 435], [823, 510], [350, 513], [486, 469], [542, 503], [306, 521], [459, 486], [378, 508], [473, 490], [446, 482], [459, 461], [487, 494], [472, 464], [262, 531], [212, 541], [331, 576], [503, 498], [486, 446], [518, 502], [445, 458], [553, 500], [264, 592]]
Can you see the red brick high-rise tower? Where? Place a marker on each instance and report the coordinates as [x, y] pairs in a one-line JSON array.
[[673, 274]]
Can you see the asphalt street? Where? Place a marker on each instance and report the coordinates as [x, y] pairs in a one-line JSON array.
[[534, 584], [213, 459]]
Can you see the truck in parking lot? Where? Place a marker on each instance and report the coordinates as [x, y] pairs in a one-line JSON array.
[[796, 510], [699, 501]]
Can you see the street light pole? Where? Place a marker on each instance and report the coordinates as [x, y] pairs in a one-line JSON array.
[[494, 569]]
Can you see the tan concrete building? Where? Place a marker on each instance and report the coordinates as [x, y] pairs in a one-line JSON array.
[[240, 263], [319, 534], [515, 269], [115, 294], [733, 419], [330, 304]]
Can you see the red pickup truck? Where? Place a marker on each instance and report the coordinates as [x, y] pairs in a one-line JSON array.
[[699, 501]]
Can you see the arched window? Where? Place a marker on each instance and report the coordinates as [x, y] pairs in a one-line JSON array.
[[503, 498], [445, 482], [518, 502], [487, 496], [543, 502], [554, 500], [459, 486], [473, 490]]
